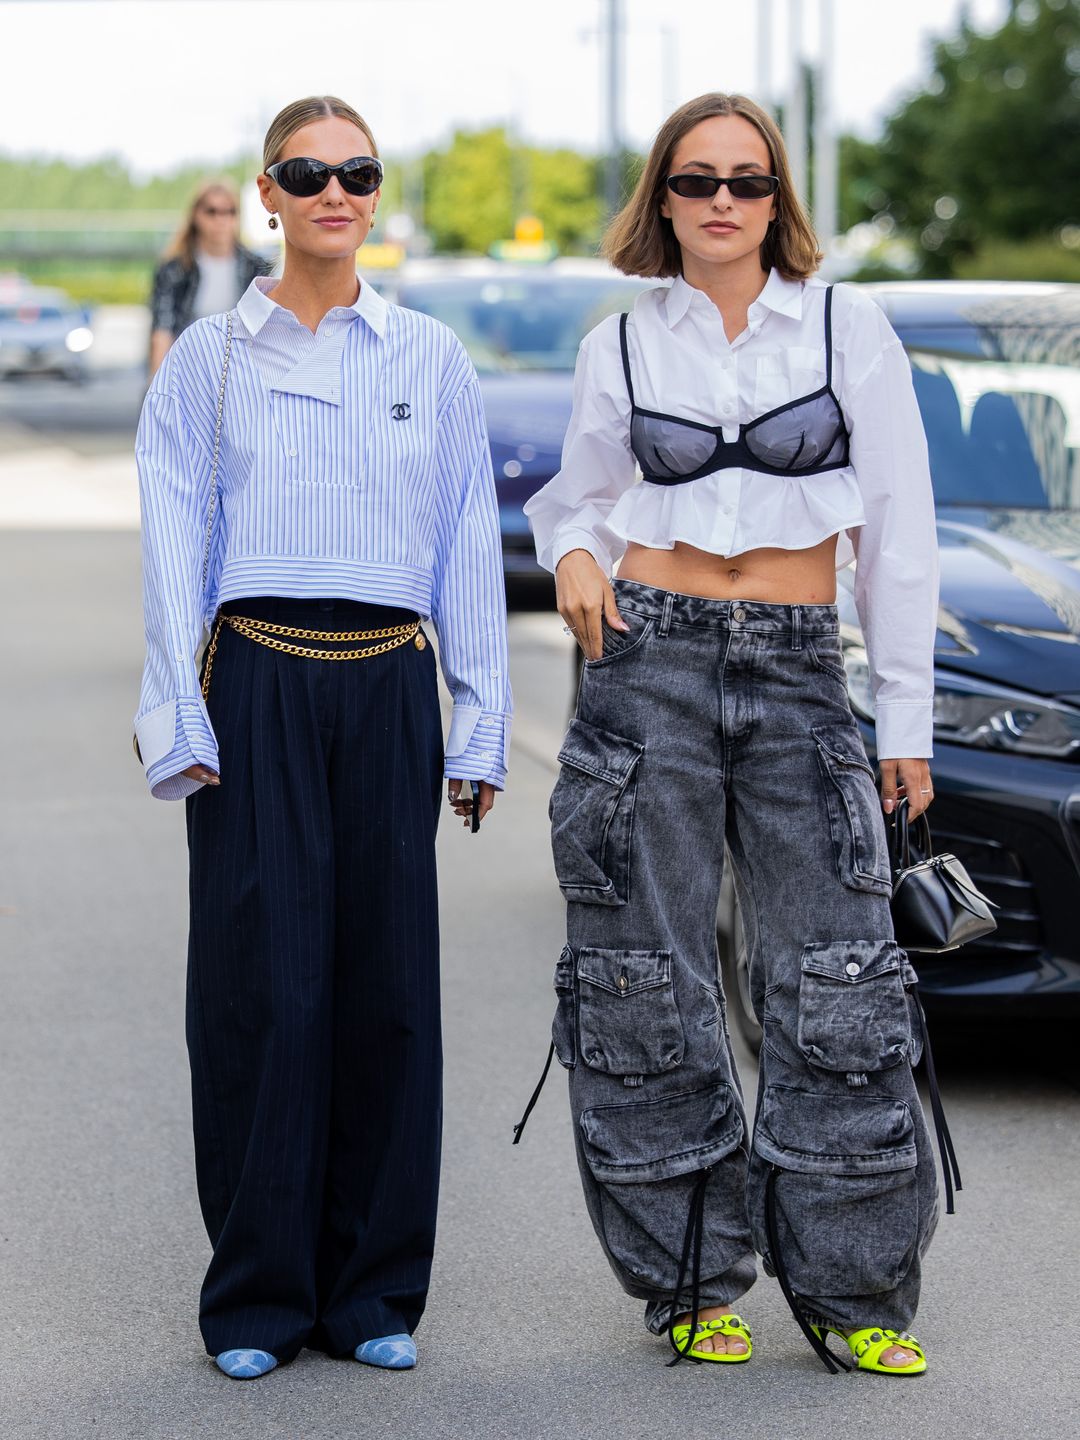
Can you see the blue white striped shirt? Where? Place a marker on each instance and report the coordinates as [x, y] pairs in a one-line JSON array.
[[354, 465]]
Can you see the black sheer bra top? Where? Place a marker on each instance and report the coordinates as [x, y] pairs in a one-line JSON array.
[[799, 438]]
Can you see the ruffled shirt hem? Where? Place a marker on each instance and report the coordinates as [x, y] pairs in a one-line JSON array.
[[704, 514]]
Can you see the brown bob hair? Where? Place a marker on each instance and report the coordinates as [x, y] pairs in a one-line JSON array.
[[182, 246], [302, 112], [641, 241]]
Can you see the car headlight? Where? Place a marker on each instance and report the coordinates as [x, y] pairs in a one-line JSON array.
[[79, 339], [969, 711]]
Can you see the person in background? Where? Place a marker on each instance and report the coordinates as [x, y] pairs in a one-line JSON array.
[[204, 271]]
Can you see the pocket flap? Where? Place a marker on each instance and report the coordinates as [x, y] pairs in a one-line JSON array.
[[599, 753], [834, 1134], [853, 961], [625, 972], [844, 746], [658, 1139]]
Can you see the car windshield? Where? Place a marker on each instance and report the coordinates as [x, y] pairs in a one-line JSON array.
[[1001, 410], [521, 323]]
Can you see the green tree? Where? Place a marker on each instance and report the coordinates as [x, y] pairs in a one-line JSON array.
[[479, 185], [990, 148]]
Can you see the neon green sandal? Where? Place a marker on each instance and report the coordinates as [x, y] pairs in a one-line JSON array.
[[868, 1346], [728, 1325]]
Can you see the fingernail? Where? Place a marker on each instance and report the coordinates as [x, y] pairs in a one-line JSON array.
[[888, 807]]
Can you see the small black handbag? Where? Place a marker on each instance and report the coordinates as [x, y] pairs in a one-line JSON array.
[[935, 903]]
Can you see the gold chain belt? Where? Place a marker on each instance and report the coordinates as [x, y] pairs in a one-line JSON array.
[[263, 632]]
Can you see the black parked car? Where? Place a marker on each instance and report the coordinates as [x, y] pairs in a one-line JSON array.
[[997, 375]]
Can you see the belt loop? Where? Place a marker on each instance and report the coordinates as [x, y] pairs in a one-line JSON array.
[[665, 618], [796, 627]]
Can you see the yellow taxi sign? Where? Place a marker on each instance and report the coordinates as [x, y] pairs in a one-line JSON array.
[[528, 230]]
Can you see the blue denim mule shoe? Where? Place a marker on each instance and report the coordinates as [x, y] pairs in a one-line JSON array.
[[390, 1352], [245, 1364]]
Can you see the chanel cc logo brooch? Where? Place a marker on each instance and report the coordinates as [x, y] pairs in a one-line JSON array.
[[401, 410]]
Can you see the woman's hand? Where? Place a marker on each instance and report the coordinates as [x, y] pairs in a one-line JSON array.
[[906, 777], [585, 600], [202, 775], [463, 808]]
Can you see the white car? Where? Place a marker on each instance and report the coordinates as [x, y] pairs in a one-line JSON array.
[[44, 332]]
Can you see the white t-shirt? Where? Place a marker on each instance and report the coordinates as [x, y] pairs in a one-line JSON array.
[[219, 288]]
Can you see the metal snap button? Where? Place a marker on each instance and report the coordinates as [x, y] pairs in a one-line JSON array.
[[623, 982], [853, 969], [738, 614]]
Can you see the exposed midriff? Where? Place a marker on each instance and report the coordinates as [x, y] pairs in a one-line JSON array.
[[781, 577]]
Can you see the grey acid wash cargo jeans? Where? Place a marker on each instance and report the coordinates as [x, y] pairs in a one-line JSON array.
[[711, 720]]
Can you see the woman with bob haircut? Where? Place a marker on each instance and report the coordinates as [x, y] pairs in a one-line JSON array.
[[774, 423], [316, 480]]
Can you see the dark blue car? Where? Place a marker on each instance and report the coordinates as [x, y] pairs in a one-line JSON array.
[[522, 328]]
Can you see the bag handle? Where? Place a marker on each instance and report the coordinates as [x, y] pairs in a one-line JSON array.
[[212, 511], [900, 837]]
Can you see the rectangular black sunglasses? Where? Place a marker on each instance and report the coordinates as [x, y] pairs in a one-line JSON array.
[[362, 175], [694, 186]]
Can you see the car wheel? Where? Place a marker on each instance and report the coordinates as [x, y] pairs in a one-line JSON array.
[[734, 968]]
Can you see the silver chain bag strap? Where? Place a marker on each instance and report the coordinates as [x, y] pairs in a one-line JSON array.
[[212, 510]]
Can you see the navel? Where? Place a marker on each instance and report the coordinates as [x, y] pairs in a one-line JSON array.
[[734, 574]]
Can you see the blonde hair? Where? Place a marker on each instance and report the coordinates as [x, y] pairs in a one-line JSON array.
[[641, 241], [182, 246], [294, 117]]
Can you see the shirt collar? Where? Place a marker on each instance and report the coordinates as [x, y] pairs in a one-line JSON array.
[[783, 296], [255, 306]]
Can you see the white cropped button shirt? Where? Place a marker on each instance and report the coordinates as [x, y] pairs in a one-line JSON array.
[[881, 505]]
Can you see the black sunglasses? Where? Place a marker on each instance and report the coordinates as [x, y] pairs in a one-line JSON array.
[[741, 187], [362, 175]]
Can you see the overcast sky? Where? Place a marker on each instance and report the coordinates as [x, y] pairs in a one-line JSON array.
[[162, 82]]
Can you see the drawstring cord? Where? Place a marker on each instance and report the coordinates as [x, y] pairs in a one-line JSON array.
[[520, 1126], [832, 1362], [950, 1170], [695, 1229]]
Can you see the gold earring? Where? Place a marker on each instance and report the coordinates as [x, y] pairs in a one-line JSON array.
[[371, 225], [273, 222]]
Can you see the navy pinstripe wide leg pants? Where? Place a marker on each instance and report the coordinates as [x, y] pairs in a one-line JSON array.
[[313, 988]]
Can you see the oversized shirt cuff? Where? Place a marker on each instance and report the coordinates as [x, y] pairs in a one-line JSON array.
[[904, 729], [477, 745], [569, 539], [171, 738]]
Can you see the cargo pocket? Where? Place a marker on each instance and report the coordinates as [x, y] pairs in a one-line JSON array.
[[564, 1026], [847, 1200], [855, 816], [854, 1014], [592, 814], [648, 1140], [646, 1158], [628, 1021]]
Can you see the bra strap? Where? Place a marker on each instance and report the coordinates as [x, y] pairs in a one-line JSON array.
[[828, 336], [625, 355]]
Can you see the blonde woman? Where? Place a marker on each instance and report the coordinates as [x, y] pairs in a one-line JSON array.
[[774, 425], [204, 271], [316, 480]]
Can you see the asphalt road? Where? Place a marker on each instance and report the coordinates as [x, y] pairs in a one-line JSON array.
[[101, 1244]]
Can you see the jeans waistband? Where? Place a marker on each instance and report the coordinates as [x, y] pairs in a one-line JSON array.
[[754, 615]]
